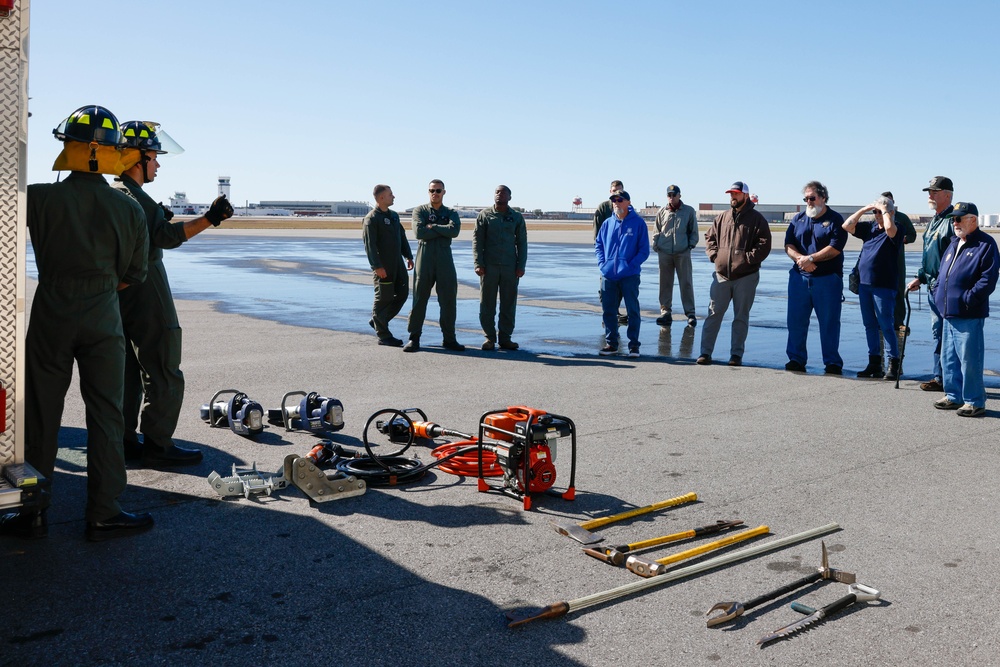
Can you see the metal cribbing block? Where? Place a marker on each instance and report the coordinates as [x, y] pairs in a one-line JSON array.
[[320, 485], [247, 483]]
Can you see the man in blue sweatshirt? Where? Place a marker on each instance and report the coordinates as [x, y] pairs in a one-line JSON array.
[[622, 245], [967, 278]]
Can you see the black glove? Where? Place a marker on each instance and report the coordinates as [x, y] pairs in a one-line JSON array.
[[167, 213], [220, 210]]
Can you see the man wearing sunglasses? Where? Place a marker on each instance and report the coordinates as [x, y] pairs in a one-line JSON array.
[[676, 234], [434, 225], [815, 242], [622, 245], [604, 211], [737, 243]]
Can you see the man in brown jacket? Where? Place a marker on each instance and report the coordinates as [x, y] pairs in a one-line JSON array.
[[737, 243]]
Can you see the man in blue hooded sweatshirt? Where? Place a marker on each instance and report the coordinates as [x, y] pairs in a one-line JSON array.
[[622, 245]]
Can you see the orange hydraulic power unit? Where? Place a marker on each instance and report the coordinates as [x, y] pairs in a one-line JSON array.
[[524, 440]]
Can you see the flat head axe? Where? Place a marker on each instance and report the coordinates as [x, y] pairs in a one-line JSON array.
[[581, 532]]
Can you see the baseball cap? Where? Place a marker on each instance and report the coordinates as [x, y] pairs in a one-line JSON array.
[[940, 183], [673, 190], [962, 209], [622, 194], [739, 186]]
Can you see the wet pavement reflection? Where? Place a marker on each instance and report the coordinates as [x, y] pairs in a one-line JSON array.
[[326, 283]]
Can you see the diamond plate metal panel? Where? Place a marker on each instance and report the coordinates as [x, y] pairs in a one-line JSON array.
[[13, 107]]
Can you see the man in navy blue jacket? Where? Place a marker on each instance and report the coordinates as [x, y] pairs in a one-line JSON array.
[[622, 245], [967, 278]]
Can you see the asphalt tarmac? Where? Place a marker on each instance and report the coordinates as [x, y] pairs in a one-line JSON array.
[[422, 574]]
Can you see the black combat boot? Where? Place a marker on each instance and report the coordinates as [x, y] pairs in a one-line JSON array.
[[894, 369], [874, 368]]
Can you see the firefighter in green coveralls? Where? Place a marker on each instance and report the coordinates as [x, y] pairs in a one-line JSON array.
[[89, 242], [386, 246], [153, 334], [500, 252], [434, 225]]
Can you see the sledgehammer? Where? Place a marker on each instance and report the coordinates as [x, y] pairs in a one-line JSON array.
[[581, 532]]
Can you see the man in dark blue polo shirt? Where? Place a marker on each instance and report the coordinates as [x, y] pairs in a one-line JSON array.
[[815, 242]]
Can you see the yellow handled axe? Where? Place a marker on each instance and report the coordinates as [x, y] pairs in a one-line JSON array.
[[581, 532]]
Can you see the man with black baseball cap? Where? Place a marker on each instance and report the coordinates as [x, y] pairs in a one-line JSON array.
[[737, 243], [676, 234], [937, 236], [970, 266]]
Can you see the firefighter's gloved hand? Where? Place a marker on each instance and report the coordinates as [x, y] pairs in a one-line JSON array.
[[220, 210], [167, 213]]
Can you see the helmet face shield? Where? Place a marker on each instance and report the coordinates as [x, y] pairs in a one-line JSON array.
[[147, 136]]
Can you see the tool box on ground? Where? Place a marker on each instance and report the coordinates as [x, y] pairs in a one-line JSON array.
[[524, 442], [22, 486], [240, 413], [314, 413]]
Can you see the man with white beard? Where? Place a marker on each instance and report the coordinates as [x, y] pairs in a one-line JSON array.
[[937, 236], [969, 269], [815, 243]]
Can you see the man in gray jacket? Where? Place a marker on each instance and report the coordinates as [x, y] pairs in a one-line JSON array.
[[676, 234]]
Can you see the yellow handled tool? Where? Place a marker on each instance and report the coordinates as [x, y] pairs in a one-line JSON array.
[[616, 555], [581, 532], [645, 568]]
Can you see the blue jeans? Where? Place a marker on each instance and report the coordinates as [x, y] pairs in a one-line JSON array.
[[878, 313], [936, 327], [823, 294], [612, 294], [962, 360]]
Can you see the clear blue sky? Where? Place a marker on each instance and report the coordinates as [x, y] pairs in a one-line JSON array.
[[322, 100]]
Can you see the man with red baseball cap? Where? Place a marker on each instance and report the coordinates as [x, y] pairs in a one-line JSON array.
[[737, 243]]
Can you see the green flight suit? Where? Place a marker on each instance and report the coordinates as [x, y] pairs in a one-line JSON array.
[[434, 229], [386, 246], [500, 248], [153, 336], [87, 238]]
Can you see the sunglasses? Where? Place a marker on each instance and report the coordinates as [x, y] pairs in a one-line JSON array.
[[617, 200], [809, 199], [435, 191]]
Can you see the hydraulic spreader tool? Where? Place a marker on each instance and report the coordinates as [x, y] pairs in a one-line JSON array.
[[314, 413], [243, 415]]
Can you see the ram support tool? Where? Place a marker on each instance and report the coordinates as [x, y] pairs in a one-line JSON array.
[[616, 555], [645, 568], [246, 483], [519, 617], [581, 532], [320, 485], [855, 593], [731, 610]]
